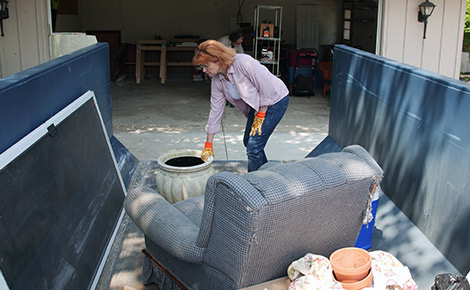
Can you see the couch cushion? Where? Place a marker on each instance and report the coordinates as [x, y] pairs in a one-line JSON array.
[[192, 208]]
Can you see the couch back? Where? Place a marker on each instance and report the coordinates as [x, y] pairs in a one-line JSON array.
[[256, 224]]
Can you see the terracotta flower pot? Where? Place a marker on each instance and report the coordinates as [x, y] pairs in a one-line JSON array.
[[350, 264], [356, 285]]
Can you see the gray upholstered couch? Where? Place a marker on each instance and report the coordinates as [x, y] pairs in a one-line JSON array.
[[247, 229]]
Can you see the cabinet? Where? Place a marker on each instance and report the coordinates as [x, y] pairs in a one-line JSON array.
[[267, 42]]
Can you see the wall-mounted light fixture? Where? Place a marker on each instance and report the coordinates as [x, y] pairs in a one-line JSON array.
[[3, 13], [425, 10]]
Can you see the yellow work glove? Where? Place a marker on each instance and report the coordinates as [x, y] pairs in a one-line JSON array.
[[207, 151], [257, 122]]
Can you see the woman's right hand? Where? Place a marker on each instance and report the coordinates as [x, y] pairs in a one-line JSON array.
[[207, 151]]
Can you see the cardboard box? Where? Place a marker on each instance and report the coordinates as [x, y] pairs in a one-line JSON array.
[[270, 26]]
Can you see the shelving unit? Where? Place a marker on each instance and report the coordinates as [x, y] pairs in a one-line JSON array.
[[272, 43], [170, 56]]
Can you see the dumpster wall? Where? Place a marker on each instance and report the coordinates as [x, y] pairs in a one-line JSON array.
[[416, 125], [30, 97]]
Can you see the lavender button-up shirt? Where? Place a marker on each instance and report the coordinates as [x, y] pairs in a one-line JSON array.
[[255, 84]]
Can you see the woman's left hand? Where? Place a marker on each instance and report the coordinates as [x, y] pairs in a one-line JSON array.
[[257, 123]]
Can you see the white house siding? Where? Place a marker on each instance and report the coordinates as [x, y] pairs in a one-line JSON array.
[[26, 42], [402, 35]]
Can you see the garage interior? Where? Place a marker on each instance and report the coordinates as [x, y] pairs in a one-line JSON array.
[[317, 24]]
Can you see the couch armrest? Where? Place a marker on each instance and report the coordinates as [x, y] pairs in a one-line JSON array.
[[366, 157], [163, 224], [239, 186]]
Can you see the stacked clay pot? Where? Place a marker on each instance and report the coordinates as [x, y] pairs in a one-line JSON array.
[[352, 267]]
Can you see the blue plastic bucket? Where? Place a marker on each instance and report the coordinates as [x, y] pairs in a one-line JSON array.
[[364, 240]]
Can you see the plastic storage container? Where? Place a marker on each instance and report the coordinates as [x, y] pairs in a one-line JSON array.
[[364, 240]]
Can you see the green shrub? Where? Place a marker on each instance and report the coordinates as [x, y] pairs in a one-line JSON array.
[[467, 17], [466, 36], [466, 41]]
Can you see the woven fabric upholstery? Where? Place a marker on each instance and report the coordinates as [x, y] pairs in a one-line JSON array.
[[194, 276], [163, 223], [365, 156], [151, 273], [247, 229], [278, 183], [192, 208], [236, 184]]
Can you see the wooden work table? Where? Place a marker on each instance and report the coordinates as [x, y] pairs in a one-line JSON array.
[[157, 45]]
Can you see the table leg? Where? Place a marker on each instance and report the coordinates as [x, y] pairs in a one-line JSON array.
[[138, 65], [163, 65]]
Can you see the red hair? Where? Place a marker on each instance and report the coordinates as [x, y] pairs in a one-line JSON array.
[[212, 50]]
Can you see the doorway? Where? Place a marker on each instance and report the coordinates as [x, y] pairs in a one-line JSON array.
[[360, 24], [306, 27]]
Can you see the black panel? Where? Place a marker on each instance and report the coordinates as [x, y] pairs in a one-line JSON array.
[[59, 204]]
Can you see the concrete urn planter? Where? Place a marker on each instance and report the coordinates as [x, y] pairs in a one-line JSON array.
[[182, 174]]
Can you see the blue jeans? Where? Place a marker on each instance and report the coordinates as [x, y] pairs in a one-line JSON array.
[[255, 144]]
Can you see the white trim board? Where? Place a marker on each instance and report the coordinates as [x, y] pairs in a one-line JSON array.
[[3, 283]]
